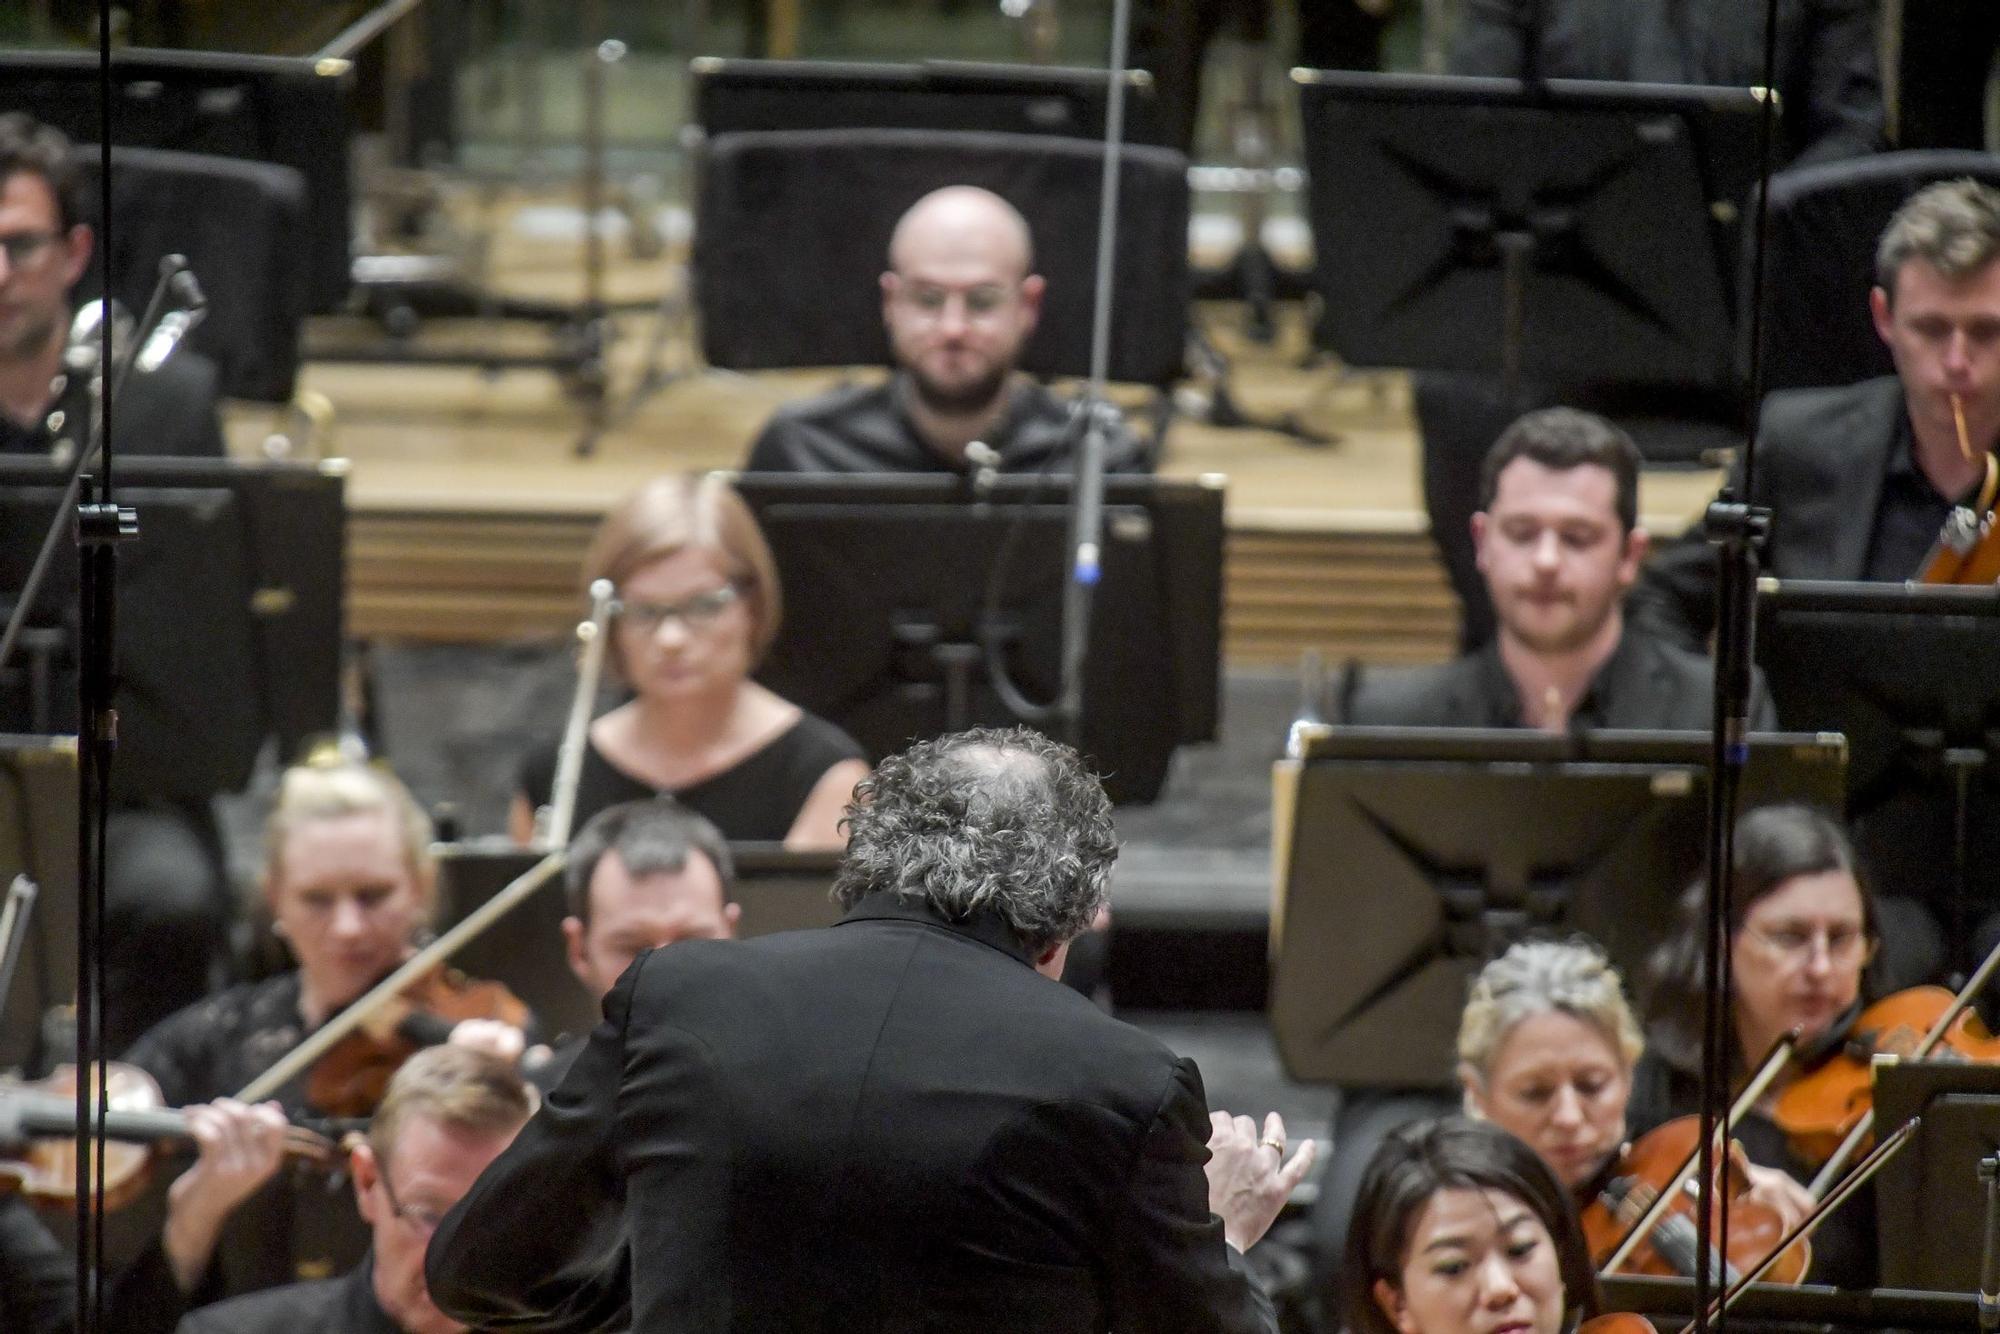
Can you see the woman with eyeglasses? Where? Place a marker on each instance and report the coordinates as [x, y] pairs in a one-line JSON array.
[[1803, 934], [1460, 1228], [697, 607]]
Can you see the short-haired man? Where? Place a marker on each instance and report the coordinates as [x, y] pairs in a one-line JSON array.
[[448, 1113], [1559, 543], [1861, 478], [640, 875], [959, 299], [45, 247], [898, 1122]]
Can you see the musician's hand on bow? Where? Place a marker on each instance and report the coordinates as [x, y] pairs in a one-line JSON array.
[[1249, 1178], [1775, 1187], [492, 1036], [239, 1147]]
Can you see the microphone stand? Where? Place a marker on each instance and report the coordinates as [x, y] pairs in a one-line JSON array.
[[172, 269], [1739, 528], [14, 931], [1086, 531], [99, 525], [1989, 1265]]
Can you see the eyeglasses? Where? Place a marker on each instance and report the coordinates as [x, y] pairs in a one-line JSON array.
[[24, 248], [695, 613], [1794, 944], [423, 1220], [928, 302]]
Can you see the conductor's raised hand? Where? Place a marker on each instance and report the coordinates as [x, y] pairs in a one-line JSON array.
[[1249, 1177]]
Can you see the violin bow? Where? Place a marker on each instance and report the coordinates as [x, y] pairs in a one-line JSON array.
[[1804, 1228], [553, 841], [301, 1057]]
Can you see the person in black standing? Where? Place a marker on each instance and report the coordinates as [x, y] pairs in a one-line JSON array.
[[899, 1122]]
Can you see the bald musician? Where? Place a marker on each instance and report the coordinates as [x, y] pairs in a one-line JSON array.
[[959, 299]]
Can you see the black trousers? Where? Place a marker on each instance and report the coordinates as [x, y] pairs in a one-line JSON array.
[[1169, 39]]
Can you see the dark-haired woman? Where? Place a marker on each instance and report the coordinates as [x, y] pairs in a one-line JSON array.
[[1460, 1228], [1803, 934]]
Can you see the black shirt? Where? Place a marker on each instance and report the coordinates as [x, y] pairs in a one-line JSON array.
[[216, 1046], [866, 429], [169, 412], [1827, 74], [1909, 514], [344, 1305], [37, 1277], [755, 801], [1646, 683]]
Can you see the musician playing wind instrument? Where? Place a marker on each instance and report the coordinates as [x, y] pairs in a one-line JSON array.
[[696, 607], [1861, 478], [348, 881]]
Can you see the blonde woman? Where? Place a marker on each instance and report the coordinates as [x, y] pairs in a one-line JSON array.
[[697, 607]]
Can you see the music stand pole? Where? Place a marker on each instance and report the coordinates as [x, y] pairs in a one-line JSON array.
[[1989, 1265]]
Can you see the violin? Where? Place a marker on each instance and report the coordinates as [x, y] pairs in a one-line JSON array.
[[38, 1138], [1825, 1105], [349, 1079], [385, 1017], [1654, 1163], [389, 995], [1617, 1322], [1625, 1322]]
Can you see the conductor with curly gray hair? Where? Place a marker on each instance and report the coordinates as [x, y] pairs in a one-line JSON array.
[[901, 1122]]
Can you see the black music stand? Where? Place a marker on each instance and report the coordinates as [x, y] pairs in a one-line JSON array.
[[778, 890], [1899, 669], [38, 839], [285, 111], [792, 233], [229, 613], [732, 96], [1414, 855], [1932, 1189], [237, 223], [919, 590], [1567, 230]]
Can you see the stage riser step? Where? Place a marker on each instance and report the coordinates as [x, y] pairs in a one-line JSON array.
[[473, 577]]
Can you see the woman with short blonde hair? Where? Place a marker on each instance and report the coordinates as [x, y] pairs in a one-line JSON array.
[[696, 606]]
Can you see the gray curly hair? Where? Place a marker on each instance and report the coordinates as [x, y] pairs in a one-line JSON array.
[[1539, 976], [999, 819]]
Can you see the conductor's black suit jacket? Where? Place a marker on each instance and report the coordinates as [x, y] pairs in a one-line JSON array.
[[892, 1124]]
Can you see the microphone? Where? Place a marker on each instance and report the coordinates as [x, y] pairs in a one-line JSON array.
[[86, 336], [985, 461], [189, 308]]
